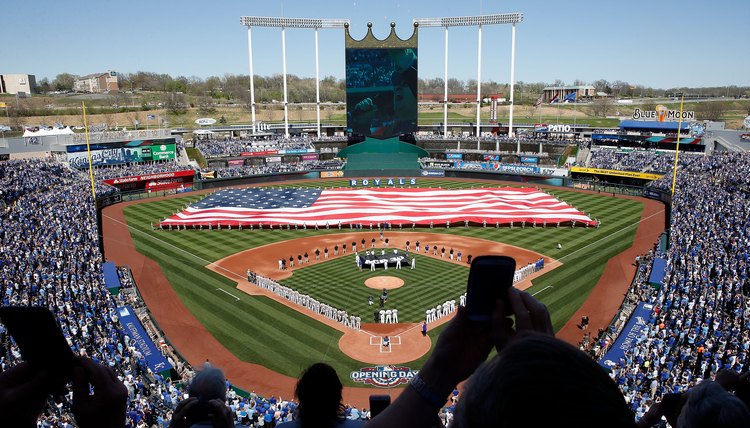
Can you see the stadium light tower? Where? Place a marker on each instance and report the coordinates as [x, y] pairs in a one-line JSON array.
[[477, 21], [284, 23]]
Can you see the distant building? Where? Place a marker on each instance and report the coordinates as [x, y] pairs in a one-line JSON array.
[[583, 92], [97, 83], [15, 83]]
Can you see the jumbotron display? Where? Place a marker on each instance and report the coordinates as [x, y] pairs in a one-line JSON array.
[[381, 86]]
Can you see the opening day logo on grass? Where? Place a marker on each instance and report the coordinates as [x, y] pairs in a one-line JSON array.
[[383, 376]]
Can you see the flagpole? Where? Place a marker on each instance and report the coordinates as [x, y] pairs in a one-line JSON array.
[[88, 149], [575, 110], [677, 147]]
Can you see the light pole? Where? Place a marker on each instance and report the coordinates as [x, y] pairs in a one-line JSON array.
[[284, 23], [476, 21]]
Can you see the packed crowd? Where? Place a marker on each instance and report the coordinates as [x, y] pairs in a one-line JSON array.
[[639, 160], [274, 168], [49, 257], [701, 318], [142, 168], [232, 147]]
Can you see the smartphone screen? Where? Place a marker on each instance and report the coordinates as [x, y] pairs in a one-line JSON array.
[[42, 344], [489, 279]]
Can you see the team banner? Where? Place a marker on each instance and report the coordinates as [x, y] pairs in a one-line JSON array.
[[118, 156], [377, 182], [626, 340], [138, 337], [383, 376], [616, 173], [396, 205]]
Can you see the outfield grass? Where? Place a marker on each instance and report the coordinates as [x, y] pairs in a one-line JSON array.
[[259, 330]]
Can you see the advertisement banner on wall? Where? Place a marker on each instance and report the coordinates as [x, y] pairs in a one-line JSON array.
[[236, 162], [454, 155], [331, 174], [439, 164], [529, 159], [310, 156], [491, 158], [498, 167], [554, 172], [432, 173], [616, 173], [273, 159], [158, 176]]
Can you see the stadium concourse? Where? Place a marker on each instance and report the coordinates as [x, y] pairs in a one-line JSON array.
[[49, 257]]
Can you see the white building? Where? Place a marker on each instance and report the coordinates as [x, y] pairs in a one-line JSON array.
[[15, 83]]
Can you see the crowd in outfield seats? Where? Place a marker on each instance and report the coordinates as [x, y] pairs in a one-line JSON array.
[[244, 170], [230, 147], [493, 138], [639, 160], [701, 318]]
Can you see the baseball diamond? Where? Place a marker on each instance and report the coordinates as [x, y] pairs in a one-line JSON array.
[[239, 328]]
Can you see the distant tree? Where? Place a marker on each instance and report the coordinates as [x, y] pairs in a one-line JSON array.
[[43, 86], [648, 106], [64, 82], [175, 103], [206, 105], [710, 110], [601, 85], [601, 107]]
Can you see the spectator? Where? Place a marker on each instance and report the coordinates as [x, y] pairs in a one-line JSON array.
[[319, 394]]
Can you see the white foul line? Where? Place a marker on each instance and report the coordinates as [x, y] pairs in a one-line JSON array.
[[225, 291], [549, 286]]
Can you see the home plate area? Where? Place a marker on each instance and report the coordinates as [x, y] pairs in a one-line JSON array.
[[379, 341]]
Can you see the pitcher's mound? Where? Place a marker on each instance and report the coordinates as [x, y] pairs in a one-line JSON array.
[[387, 282]]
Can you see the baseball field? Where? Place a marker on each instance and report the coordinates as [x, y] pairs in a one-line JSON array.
[[266, 332]]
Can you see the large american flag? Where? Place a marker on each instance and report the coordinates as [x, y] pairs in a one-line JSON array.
[[267, 206]]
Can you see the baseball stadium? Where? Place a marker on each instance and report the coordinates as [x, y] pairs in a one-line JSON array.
[[266, 246]]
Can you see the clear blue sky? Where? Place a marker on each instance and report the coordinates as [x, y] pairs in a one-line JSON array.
[[665, 43]]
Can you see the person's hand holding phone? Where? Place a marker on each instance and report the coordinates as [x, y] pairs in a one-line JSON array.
[[460, 349], [532, 317], [106, 406], [23, 393]]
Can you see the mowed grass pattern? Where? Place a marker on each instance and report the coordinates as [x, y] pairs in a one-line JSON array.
[[259, 330], [340, 283]]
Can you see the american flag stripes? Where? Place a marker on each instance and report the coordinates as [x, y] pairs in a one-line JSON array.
[[254, 206]]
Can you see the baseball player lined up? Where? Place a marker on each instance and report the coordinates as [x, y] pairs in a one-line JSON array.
[[308, 302]]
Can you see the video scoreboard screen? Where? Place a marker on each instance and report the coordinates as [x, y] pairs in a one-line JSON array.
[[381, 87]]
